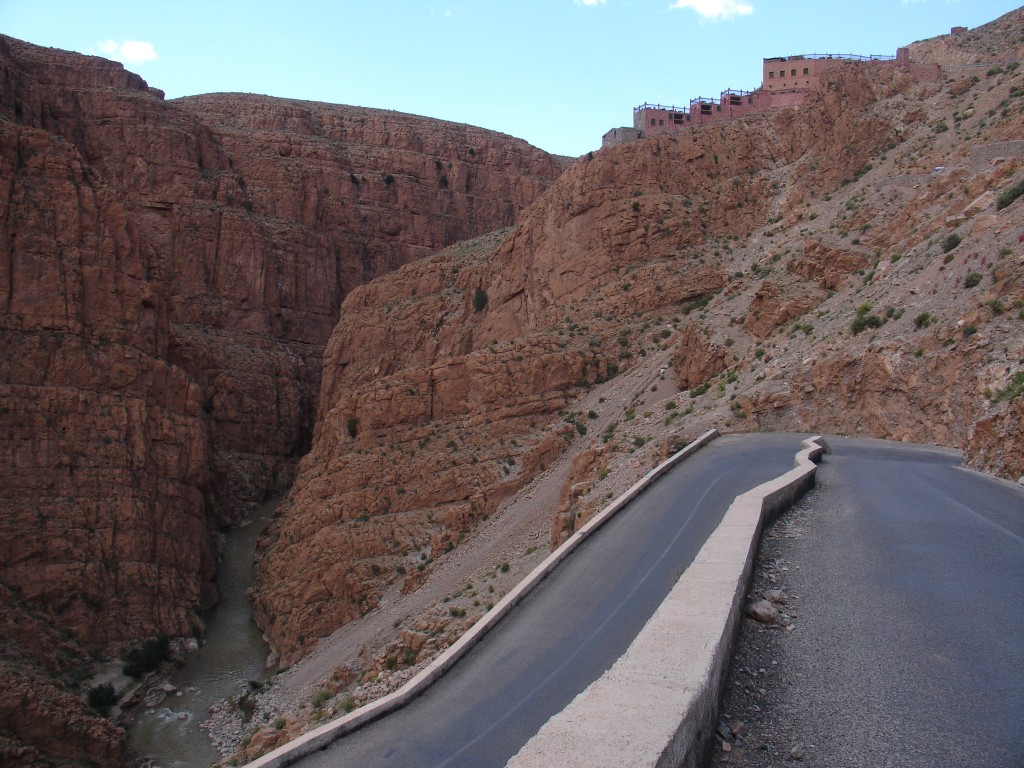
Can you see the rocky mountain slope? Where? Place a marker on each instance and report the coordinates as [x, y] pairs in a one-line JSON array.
[[196, 293], [850, 266], [170, 275]]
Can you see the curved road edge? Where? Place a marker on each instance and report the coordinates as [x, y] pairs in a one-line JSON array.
[[315, 740], [676, 666]]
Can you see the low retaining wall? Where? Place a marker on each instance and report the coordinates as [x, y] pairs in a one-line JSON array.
[[656, 706], [315, 740]]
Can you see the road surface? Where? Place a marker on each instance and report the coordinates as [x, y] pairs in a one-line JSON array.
[[907, 579]]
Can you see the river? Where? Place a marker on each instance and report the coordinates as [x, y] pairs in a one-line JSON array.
[[233, 654]]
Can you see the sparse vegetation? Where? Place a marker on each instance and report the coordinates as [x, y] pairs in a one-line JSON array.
[[147, 657], [1013, 390], [102, 698], [951, 242], [479, 299], [1007, 196], [972, 279], [865, 319]]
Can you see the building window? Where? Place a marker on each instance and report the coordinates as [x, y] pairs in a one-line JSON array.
[[771, 75], [653, 121], [793, 72], [805, 70], [782, 73]]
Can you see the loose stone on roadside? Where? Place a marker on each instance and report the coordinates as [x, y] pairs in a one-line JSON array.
[[764, 611]]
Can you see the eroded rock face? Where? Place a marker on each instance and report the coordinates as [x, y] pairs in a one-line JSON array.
[[171, 274], [994, 444], [697, 358], [434, 407]]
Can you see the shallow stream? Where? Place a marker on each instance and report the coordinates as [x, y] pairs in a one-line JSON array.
[[233, 654]]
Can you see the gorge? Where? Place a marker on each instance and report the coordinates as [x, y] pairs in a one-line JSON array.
[[402, 323]]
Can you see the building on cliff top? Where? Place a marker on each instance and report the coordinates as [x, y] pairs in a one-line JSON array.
[[786, 81]]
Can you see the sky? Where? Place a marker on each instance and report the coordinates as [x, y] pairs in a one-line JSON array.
[[557, 73]]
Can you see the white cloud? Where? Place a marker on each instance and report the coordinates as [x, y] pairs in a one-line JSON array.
[[715, 9], [128, 51], [589, 3]]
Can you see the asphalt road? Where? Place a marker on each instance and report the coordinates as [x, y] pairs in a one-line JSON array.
[[908, 648], [573, 626]]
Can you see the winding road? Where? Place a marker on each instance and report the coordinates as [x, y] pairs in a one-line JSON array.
[[574, 624], [926, 563]]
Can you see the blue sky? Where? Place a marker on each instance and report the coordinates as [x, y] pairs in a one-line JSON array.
[[557, 73]]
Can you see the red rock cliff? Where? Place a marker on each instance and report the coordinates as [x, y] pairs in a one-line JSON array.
[[169, 275]]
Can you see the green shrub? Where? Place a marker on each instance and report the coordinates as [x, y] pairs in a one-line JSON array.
[[147, 657], [102, 698], [321, 698], [1007, 196], [1014, 389], [951, 242], [700, 389], [479, 299], [923, 320], [973, 279], [863, 321]]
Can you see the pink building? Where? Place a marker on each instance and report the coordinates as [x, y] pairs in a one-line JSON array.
[[786, 81]]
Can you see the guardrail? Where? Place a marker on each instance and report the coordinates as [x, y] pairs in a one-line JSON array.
[[676, 666]]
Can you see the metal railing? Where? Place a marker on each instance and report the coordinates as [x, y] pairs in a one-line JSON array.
[[661, 107], [850, 56]]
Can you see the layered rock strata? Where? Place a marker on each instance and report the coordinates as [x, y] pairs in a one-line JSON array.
[[171, 273]]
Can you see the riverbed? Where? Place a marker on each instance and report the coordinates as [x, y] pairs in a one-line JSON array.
[[233, 653]]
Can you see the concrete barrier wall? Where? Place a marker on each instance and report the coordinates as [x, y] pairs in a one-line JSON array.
[[677, 665], [315, 740]]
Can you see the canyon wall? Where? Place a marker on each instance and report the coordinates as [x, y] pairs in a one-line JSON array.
[[444, 381], [452, 383], [171, 272]]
